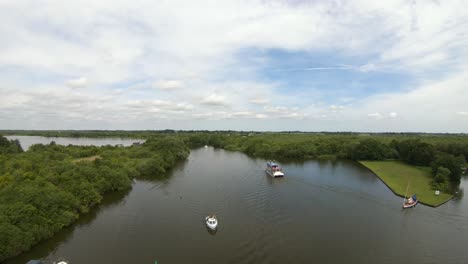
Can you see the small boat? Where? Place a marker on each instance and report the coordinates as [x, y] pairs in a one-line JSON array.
[[274, 170], [410, 202], [206, 146], [211, 222]]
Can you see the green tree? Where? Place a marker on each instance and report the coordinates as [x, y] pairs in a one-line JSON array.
[[440, 181], [452, 163], [416, 152], [369, 149]]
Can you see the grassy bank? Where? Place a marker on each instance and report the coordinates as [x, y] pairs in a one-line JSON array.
[[396, 175]]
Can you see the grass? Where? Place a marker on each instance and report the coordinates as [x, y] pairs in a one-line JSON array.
[[396, 175]]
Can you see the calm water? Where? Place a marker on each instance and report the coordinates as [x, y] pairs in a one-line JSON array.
[[27, 141], [321, 212]]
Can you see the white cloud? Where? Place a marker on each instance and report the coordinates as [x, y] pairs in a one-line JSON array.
[[261, 116], [368, 67], [243, 114], [77, 83], [158, 105], [260, 101], [121, 48], [392, 115], [295, 115], [336, 108], [280, 109], [376, 115], [169, 84], [214, 100]]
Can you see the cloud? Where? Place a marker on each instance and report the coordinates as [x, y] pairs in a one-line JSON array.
[[336, 108], [280, 109], [462, 113], [375, 115], [260, 101], [295, 115], [378, 116], [124, 50], [214, 100], [158, 105], [77, 83], [169, 84], [392, 115], [243, 114], [261, 116], [368, 67]]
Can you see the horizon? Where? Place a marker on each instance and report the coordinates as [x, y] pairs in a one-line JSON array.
[[307, 66], [168, 130]]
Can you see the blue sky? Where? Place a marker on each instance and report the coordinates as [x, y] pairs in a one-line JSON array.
[[245, 65]]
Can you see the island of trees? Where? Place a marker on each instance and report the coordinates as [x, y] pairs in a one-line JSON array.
[[47, 187]]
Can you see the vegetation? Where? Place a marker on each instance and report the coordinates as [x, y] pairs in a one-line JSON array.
[[434, 151], [49, 186], [444, 153], [396, 175]]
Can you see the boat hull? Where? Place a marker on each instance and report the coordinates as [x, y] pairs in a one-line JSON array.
[[406, 206], [274, 174], [211, 226]]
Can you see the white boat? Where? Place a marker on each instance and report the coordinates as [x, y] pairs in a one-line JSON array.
[[410, 202], [211, 222], [206, 146], [274, 170], [61, 261]]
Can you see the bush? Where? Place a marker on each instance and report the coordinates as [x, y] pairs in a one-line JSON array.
[[440, 181]]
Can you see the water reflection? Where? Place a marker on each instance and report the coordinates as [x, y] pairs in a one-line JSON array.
[[211, 231], [275, 181]]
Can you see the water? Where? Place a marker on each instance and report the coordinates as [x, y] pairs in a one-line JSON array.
[[321, 212], [27, 141]]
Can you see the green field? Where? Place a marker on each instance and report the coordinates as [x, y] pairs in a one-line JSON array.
[[396, 175]]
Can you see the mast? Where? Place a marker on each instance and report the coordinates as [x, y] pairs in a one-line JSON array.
[[406, 194]]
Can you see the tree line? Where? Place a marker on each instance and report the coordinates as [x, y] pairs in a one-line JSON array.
[[445, 154], [48, 187]]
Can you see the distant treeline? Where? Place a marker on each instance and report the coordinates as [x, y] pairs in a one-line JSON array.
[[48, 187], [444, 153], [149, 133]]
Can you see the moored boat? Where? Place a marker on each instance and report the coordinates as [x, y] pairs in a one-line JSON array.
[[211, 222], [410, 202], [274, 170]]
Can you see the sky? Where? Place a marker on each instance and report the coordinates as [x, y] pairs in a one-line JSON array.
[[363, 65]]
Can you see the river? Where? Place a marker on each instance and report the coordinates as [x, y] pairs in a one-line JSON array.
[[28, 141], [321, 212]]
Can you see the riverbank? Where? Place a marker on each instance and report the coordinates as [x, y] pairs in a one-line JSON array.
[[396, 175], [37, 201]]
